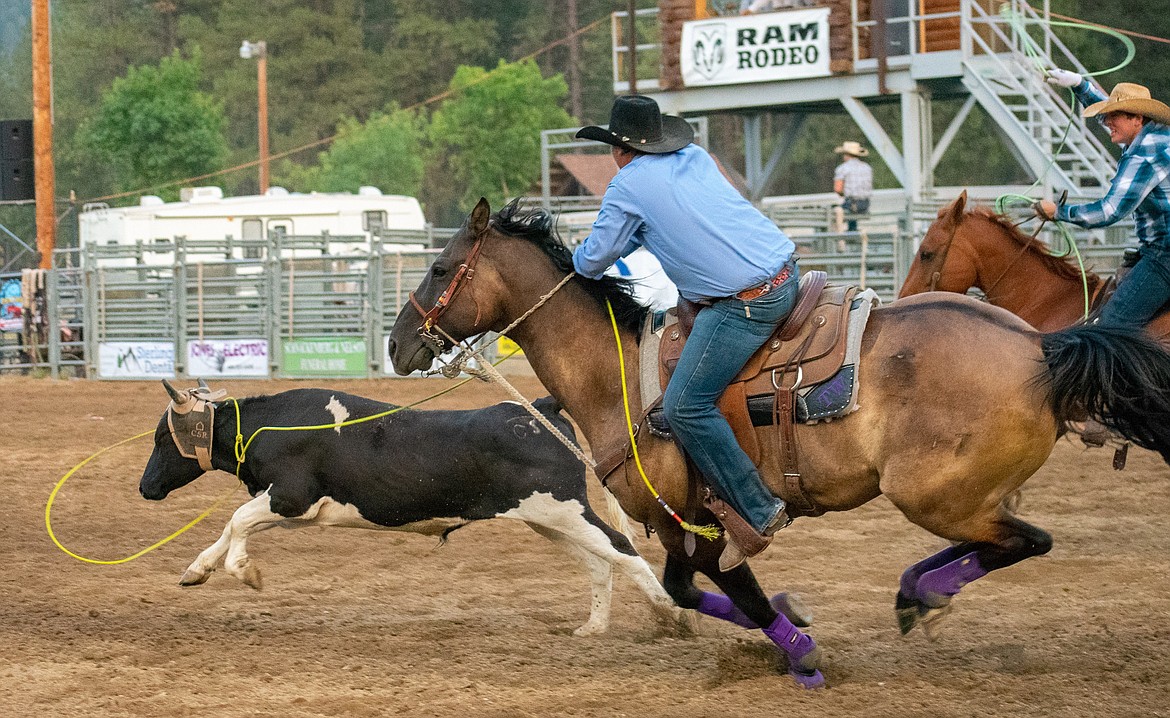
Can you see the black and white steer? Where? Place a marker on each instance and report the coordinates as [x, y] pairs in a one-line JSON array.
[[427, 472]]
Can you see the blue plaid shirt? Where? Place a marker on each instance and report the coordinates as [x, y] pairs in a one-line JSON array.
[[1141, 186]]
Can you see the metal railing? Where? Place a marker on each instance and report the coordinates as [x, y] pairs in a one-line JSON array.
[[356, 298]]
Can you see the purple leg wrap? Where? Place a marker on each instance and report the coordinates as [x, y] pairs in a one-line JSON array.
[[909, 583], [719, 606], [716, 605], [803, 655], [936, 587]]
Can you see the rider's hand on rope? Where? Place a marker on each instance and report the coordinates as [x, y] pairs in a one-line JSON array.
[[1063, 78], [1044, 209]]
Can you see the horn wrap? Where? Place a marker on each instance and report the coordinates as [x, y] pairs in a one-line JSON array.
[[179, 397]]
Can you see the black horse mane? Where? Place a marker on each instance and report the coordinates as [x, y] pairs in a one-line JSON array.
[[1064, 267], [537, 226]]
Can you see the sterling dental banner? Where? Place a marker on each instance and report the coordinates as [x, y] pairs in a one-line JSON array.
[[756, 48]]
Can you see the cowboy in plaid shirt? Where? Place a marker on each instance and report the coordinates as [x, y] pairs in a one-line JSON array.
[[1141, 186]]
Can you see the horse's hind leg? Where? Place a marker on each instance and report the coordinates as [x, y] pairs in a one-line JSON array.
[[926, 589], [678, 578]]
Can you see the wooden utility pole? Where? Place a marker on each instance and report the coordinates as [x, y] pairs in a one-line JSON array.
[[262, 118], [575, 105], [632, 43], [42, 80]]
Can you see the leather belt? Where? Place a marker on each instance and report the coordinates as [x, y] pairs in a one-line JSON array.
[[760, 290]]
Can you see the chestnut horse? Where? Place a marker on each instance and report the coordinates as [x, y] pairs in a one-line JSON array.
[[960, 403], [979, 248]]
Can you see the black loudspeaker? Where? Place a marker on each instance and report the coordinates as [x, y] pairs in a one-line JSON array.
[[16, 140], [16, 180]]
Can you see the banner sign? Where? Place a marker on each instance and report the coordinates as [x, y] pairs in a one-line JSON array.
[[324, 357], [136, 360], [227, 358], [756, 48]]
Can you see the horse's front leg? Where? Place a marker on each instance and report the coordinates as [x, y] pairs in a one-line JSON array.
[[678, 578], [739, 585]]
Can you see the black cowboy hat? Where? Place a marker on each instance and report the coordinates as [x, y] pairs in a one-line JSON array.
[[636, 123]]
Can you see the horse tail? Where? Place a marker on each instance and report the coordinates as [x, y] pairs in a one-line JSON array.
[[1117, 375]]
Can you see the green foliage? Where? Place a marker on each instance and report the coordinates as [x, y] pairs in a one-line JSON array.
[[154, 125], [491, 127], [386, 151]]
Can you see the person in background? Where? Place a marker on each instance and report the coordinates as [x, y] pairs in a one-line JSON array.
[[720, 251], [853, 180], [1141, 187]]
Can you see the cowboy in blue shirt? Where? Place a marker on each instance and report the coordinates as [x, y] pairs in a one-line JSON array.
[[1141, 186], [669, 197]]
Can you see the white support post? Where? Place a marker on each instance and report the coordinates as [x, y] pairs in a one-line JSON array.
[[917, 144]]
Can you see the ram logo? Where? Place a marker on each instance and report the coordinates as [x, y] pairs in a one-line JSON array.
[[710, 49]]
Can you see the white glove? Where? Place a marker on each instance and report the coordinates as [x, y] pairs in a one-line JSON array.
[[1064, 78]]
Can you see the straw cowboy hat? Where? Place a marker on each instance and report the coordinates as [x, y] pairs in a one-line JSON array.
[[636, 123], [851, 148], [1131, 98]]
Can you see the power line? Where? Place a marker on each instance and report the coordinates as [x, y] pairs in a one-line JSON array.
[[430, 100], [1110, 27]]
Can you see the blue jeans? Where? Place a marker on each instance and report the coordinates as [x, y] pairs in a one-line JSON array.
[[725, 336], [1142, 292]]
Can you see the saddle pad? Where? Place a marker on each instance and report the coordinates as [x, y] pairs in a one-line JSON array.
[[655, 326], [836, 396]]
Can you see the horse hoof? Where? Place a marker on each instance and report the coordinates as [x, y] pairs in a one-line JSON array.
[[907, 610], [808, 681], [794, 609], [194, 578], [931, 621]]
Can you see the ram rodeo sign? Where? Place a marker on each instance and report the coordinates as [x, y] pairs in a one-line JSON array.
[[756, 48]]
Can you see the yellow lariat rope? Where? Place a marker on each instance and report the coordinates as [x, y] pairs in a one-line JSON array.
[[241, 448], [709, 531]]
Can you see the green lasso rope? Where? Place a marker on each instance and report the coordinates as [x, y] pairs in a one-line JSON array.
[[1006, 202]]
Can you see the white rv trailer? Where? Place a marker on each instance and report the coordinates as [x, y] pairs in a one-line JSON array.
[[206, 217]]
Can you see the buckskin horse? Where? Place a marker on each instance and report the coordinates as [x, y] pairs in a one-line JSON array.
[[981, 249], [960, 403]]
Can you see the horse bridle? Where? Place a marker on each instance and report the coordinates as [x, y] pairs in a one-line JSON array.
[[946, 248], [944, 251], [430, 319]]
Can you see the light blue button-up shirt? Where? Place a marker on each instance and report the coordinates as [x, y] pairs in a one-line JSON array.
[[711, 242]]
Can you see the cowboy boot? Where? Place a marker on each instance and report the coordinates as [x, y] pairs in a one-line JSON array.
[[743, 541]]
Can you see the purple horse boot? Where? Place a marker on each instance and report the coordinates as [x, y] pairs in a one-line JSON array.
[[908, 606], [803, 654], [719, 606], [927, 587], [936, 587]]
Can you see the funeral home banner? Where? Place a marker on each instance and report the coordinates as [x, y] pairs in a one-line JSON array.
[[756, 48]]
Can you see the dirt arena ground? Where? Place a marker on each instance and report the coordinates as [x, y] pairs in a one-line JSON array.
[[361, 623]]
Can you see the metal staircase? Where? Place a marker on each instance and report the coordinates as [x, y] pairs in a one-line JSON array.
[[1000, 72]]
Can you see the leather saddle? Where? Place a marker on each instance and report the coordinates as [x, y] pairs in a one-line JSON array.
[[807, 348]]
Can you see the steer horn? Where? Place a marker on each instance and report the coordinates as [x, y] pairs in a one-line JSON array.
[[179, 397]]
